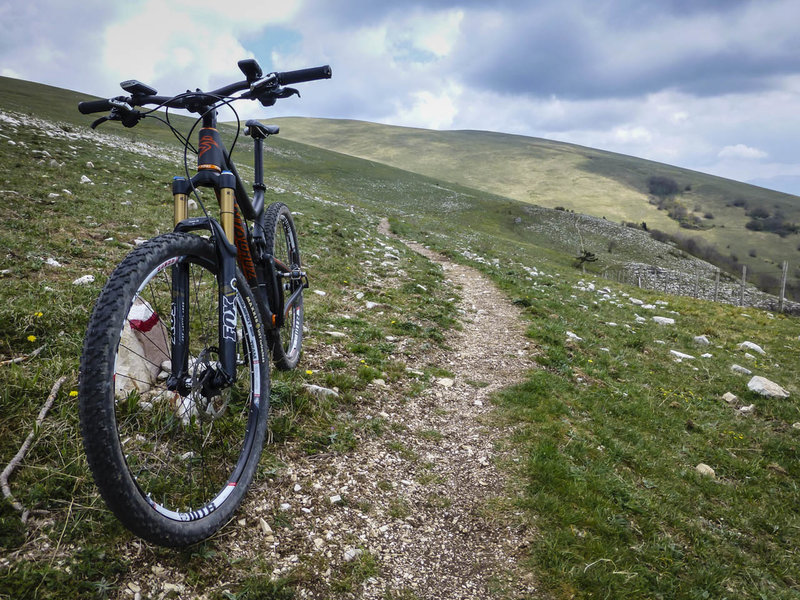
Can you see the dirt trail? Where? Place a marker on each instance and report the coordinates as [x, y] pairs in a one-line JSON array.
[[420, 511]]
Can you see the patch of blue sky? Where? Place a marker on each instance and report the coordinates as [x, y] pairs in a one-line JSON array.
[[271, 39]]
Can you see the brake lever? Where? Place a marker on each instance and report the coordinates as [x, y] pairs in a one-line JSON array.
[[99, 121]]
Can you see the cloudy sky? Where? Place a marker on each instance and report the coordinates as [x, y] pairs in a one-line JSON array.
[[711, 85]]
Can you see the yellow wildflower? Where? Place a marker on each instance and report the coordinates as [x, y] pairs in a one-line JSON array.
[[31, 338]]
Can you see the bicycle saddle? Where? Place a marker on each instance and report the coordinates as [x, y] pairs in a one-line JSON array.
[[256, 129]]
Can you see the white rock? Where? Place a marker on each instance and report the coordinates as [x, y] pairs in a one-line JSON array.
[[664, 320], [681, 355], [704, 469], [336, 499], [707, 355], [285, 506], [765, 387], [86, 279], [297, 487], [574, 337], [319, 543], [192, 204], [729, 398], [352, 553], [701, 340], [90, 165], [85, 179], [445, 382], [371, 305], [320, 392], [320, 293], [751, 346], [378, 382], [747, 409], [636, 301], [139, 241], [52, 262], [336, 334], [741, 369]]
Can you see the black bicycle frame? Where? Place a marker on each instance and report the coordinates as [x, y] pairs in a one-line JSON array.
[[216, 170]]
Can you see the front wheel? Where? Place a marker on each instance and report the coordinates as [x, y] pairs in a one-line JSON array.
[[281, 237], [173, 467]]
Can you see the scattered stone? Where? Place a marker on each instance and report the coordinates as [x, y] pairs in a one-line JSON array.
[[320, 392], [192, 204], [573, 337], [681, 356], [352, 553], [320, 293], [796, 425], [336, 334], [85, 280], [378, 382], [336, 499], [765, 387], [747, 409], [319, 543], [286, 506], [751, 346], [729, 398], [664, 320], [445, 382], [705, 470], [702, 340], [85, 179], [741, 369], [139, 241], [90, 165], [707, 355], [636, 301], [52, 262], [371, 305]]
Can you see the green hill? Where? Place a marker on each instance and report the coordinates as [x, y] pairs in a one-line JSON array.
[[600, 444], [593, 182]]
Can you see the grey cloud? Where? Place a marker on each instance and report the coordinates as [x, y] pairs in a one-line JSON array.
[[592, 52], [55, 42]]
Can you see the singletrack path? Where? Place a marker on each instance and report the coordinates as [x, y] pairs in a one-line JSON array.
[[421, 511]]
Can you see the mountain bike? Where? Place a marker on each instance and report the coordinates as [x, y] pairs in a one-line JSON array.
[[174, 377]]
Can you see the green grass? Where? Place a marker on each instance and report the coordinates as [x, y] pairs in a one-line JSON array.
[[608, 432]]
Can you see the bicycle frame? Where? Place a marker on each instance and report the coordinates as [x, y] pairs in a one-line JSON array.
[[235, 245]]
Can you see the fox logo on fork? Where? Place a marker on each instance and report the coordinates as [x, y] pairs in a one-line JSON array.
[[229, 311]]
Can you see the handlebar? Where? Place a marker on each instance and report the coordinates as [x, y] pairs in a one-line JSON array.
[[266, 89], [303, 75]]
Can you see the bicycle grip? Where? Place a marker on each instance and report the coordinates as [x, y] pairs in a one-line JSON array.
[[301, 75], [94, 106]]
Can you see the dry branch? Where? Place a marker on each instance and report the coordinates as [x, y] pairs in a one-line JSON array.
[[26, 445]]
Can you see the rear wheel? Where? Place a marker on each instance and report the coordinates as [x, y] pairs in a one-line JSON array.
[[172, 466], [281, 238]]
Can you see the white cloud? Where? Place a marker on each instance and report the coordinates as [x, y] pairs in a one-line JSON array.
[[741, 151]]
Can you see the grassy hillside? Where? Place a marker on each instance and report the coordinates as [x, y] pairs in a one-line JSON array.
[[588, 181], [603, 439]]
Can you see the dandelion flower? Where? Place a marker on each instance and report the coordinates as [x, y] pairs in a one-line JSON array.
[[38, 314], [309, 372], [73, 393], [31, 338]]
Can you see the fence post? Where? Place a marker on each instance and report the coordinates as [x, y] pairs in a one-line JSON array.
[[744, 280], [716, 285], [783, 284]]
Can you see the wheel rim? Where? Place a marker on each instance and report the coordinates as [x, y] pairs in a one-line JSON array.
[[185, 453]]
